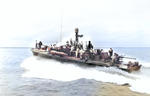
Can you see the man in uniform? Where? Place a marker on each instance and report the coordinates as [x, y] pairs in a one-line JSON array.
[[110, 52], [40, 44]]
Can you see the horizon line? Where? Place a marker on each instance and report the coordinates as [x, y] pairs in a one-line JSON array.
[[95, 47]]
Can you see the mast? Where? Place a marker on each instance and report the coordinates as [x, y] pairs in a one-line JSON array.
[[76, 36], [61, 29]]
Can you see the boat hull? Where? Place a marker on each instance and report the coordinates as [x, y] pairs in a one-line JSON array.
[[100, 62], [135, 68]]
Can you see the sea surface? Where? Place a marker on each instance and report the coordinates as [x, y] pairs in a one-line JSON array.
[[22, 74]]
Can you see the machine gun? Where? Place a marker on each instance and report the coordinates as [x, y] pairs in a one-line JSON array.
[[118, 59], [127, 57]]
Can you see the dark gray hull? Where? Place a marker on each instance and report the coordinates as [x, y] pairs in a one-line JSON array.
[[100, 62]]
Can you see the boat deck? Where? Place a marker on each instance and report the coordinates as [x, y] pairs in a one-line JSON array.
[[70, 58], [96, 61]]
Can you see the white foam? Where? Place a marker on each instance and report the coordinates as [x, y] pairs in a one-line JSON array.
[[145, 64], [51, 69], [141, 85]]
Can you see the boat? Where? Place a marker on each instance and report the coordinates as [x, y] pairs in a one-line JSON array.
[[97, 57]]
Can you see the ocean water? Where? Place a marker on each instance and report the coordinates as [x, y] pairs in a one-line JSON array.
[[22, 74]]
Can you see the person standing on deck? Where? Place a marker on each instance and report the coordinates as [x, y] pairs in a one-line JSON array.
[[67, 49], [77, 50], [110, 52], [72, 48], [81, 51], [71, 42], [75, 45], [36, 44], [67, 44], [90, 48], [40, 44], [114, 58], [81, 45]]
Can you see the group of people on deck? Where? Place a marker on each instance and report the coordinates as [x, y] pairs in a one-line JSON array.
[[69, 48], [115, 59], [78, 48], [75, 47], [38, 45], [132, 64]]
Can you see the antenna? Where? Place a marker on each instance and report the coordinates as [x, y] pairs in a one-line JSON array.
[[61, 29]]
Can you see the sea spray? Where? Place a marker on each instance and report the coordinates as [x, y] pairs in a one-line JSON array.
[[56, 70]]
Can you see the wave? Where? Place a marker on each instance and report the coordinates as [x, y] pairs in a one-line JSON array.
[[65, 71], [146, 65]]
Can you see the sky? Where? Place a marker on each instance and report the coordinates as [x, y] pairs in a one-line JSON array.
[[106, 23]]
